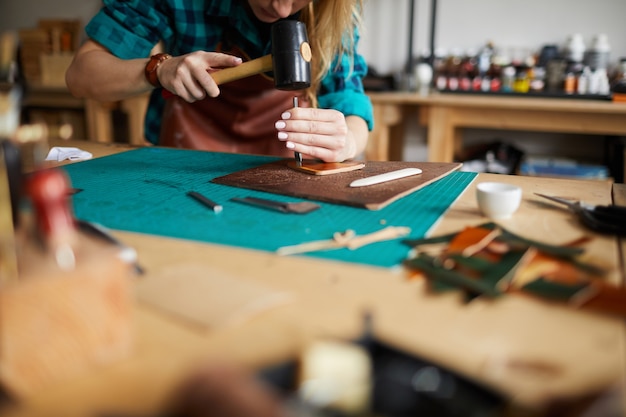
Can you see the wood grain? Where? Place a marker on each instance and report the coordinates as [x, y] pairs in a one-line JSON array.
[[56, 325], [535, 353]]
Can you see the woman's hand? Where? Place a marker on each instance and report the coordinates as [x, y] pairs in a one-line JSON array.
[[188, 76], [323, 134], [97, 74]]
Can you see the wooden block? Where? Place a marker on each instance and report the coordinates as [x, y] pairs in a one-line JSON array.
[[56, 325]]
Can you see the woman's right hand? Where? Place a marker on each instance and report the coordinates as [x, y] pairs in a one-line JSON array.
[[188, 76], [97, 74]]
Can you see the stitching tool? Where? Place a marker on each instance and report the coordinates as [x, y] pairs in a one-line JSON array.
[[610, 219], [127, 253], [297, 155], [298, 208], [216, 208]]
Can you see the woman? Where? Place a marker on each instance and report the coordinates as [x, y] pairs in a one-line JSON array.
[[138, 45]]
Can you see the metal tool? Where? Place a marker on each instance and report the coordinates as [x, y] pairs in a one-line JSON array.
[[604, 219], [297, 155], [216, 208], [298, 208], [127, 253]]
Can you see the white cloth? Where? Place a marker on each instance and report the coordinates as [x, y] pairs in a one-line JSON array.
[[60, 153]]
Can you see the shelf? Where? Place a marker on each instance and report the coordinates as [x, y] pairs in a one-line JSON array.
[[534, 94]]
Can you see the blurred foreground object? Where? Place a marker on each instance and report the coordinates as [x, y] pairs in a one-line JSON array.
[[65, 298], [224, 391], [71, 295]]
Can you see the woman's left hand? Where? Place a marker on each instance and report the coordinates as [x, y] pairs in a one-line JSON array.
[[323, 134]]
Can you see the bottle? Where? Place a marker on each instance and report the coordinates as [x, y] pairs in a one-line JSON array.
[[604, 87], [521, 83], [575, 48], [599, 54], [423, 76], [583, 81], [495, 76], [569, 85], [508, 78], [594, 82], [466, 71], [555, 74], [440, 70], [620, 73], [538, 79], [452, 70], [484, 59]]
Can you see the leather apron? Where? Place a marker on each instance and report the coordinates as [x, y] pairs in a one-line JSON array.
[[240, 120]]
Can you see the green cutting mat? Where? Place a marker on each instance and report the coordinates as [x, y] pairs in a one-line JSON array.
[[144, 190]]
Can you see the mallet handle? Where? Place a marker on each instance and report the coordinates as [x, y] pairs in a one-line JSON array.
[[256, 66]]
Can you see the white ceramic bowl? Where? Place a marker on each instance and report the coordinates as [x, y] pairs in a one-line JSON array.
[[498, 200]]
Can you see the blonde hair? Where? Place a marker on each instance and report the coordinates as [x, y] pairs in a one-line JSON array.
[[330, 27]]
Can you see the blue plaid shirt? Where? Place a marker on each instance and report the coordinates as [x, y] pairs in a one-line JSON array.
[[131, 28]]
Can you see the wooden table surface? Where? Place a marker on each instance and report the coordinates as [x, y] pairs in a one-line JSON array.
[[446, 115], [482, 340]]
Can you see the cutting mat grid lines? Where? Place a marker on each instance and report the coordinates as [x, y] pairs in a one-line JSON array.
[[144, 191]]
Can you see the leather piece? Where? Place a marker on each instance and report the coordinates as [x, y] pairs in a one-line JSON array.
[[278, 178]]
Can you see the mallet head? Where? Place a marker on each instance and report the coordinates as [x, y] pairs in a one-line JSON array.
[[291, 55]]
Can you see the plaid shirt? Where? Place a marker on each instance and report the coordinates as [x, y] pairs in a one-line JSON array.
[[131, 28]]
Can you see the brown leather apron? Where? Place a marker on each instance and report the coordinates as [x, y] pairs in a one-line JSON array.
[[240, 120]]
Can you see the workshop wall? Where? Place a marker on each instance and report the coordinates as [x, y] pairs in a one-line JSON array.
[[24, 14], [463, 25]]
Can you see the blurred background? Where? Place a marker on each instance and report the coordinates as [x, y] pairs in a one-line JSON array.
[[515, 29]]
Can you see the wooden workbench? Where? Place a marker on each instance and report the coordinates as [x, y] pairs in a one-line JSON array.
[[446, 115], [95, 121], [479, 340]]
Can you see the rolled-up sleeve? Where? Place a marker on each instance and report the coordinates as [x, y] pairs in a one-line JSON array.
[[342, 88], [129, 29]]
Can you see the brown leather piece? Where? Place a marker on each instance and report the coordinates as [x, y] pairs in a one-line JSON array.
[[278, 178]]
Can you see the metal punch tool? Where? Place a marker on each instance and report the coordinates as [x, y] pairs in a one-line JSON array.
[[609, 219]]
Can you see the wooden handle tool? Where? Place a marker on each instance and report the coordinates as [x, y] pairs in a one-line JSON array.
[[256, 66]]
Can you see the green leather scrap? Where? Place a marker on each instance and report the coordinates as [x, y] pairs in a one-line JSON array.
[[446, 279], [477, 275], [554, 290]]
